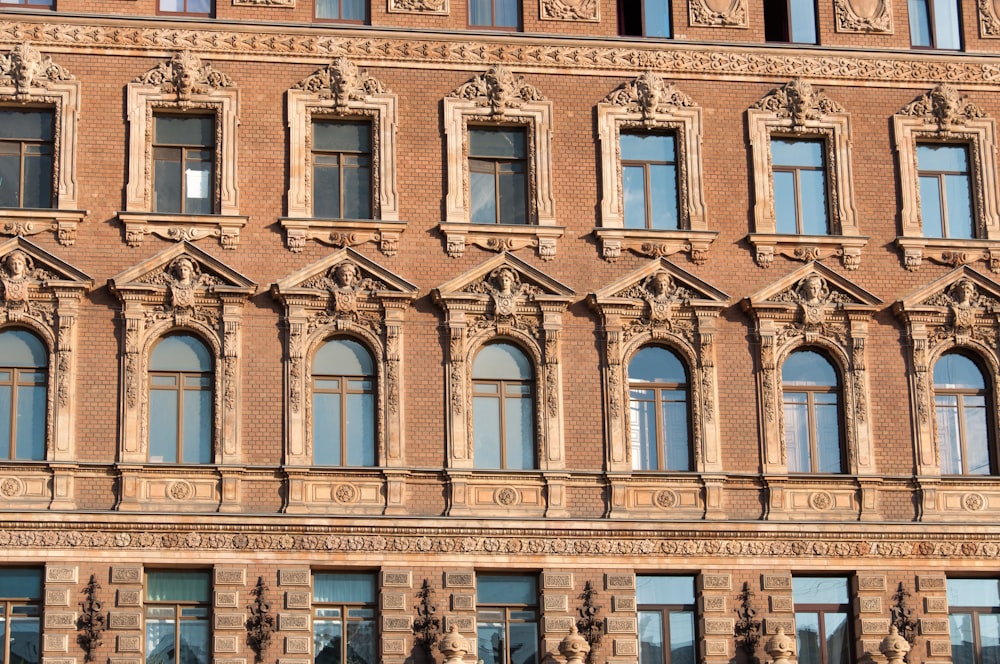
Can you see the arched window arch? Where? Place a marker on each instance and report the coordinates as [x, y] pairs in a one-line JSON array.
[[180, 400], [343, 385], [961, 404], [811, 398], [24, 363], [658, 410], [503, 409]]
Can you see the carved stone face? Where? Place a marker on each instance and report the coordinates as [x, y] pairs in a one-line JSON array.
[[505, 281], [346, 275], [184, 271], [812, 288], [16, 264], [660, 284], [964, 293]]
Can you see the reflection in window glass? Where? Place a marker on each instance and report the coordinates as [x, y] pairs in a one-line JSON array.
[[935, 24], [960, 400], [822, 620], [20, 611], [177, 611], [810, 390], [666, 619], [649, 181], [498, 185], [799, 180], [344, 629], [945, 191], [974, 614], [180, 401], [23, 386], [658, 411], [507, 619], [343, 405], [503, 408]]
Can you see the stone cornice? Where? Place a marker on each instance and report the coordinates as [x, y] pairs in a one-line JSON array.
[[537, 53]]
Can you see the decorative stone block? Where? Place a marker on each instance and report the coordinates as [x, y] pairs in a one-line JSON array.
[[126, 574], [225, 644], [229, 660], [782, 604], [61, 574], [558, 624], [620, 625], [555, 602], [939, 648], [396, 579], [462, 602], [934, 626], [293, 577], [717, 647], [292, 622], [234, 576], [874, 626], [129, 643], [124, 660], [393, 646], [626, 648], [396, 623], [459, 579], [619, 581], [282, 660], [464, 624], [129, 597], [871, 582], [935, 605], [58, 660], [57, 597], [932, 583], [119, 620], [60, 620], [713, 604], [297, 599], [557, 580], [56, 643], [229, 621], [716, 581], [227, 599], [620, 603], [776, 581], [718, 626], [297, 645], [771, 626], [869, 605], [393, 601]]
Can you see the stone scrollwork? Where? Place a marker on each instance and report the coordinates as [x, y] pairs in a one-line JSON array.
[[797, 110], [649, 103], [814, 307], [342, 91], [989, 19], [662, 304], [718, 13], [440, 7], [868, 16], [181, 288], [499, 97], [348, 295], [570, 10]]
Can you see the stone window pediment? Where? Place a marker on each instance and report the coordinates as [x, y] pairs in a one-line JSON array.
[[649, 105], [342, 91], [662, 305], [160, 296], [943, 116], [505, 300], [499, 98], [797, 111], [182, 85], [30, 80], [814, 308], [345, 295]]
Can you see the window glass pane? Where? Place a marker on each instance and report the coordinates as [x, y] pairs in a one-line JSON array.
[[327, 9], [807, 638], [160, 645], [682, 637], [198, 185], [6, 406], [357, 192], [486, 425], [803, 21], [974, 592], [955, 371], [513, 198], [946, 26], [326, 429], [819, 590], [797, 153], [989, 638], [361, 642], [501, 589], [337, 587], [977, 436], [930, 206], [827, 434], [33, 124], [492, 645], [656, 18], [634, 195], [949, 440], [178, 586], [25, 641], [663, 196], [785, 209], [523, 643], [501, 362], [963, 646], [37, 181], [197, 426], [342, 136], [191, 130], [942, 157], [480, 12], [194, 642], [642, 418], [508, 13], [167, 180], [163, 426], [813, 198], [920, 23], [343, 357], [796, 412], [360, 430], [20, 348], [655, 364], [180, 352], [497, 143], [647, 147], [326, 188], [31, 423], [483, 195], [327, 637], [10, 176], [959, 197], [806, 367], [674, 590], [651, 637], [677, 454], [20, 583], [518, 429]]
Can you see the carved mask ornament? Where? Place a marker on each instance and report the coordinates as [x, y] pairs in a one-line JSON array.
[[505, 289], [965, 300], [659, 295], [17, 268], [814, 294], [346, 277], [184, 277]]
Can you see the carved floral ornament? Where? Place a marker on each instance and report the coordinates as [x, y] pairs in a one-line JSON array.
[[181, 288], [989, 18], [814, 308], [796, 111], [344, 295], [960, 310], [944, 106], [570, 10], [868, 16], [185, 75], [25, 68], [718, 13], [498, 89], [341, 81]]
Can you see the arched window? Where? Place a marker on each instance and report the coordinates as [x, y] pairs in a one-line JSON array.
[[343, 378], [180, 401], [811, 394], [24, 365], [658, 410], [963, 429], [503, 409]]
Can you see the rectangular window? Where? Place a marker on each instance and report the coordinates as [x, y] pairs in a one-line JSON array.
[[945, 191], [26, 152], [935, 24], [644, 18], [799, 177], [184, 164], [822, 620], [790, 21], [191, 7], [498, 181], [348, 11], [20, 615], [974, 614], [177, 617], [499, 14], [507, 619], [29, 3], [344, 618], [666, 609], [342, 173], [649, 181]]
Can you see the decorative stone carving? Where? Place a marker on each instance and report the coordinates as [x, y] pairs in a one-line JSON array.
[[341, 90], [661, 304], [183, 84], [570, 10], [868, 16], [185, 288], [989, 19], [814, 307], [943, 115], [650, 103], [500, 97], [28, 77], [799, 111], [264, 3], [439, 7], [718, 13], [347, 295]]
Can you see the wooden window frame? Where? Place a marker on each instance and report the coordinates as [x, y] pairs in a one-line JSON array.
[[796, 172], [658, 388], [810, 391], [185, 150], [822, 609], [665, 609], [497, 163]]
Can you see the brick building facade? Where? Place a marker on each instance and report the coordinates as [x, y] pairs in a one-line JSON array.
[[346, 301]]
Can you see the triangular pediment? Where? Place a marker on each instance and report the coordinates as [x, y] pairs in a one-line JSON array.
[[327, 273], [476, 283], [836, 289], [682, 285], [155, 272], [43, 266], [947, 291]]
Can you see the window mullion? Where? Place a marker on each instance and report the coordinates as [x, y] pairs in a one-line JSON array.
[[343, 425], [14, 379], [962, 440], [813, 443], [180, 418]]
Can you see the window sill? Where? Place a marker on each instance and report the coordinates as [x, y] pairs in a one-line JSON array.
[[498, 237], [949, 251], [807, 248], [178, 227], [31, 221], [342, 232], [654, 243]]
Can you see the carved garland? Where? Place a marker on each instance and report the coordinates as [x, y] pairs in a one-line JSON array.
[[868, 16], [989, 19]]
